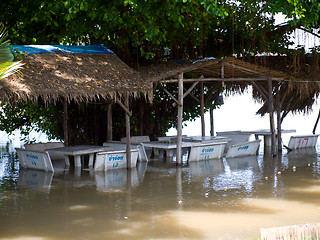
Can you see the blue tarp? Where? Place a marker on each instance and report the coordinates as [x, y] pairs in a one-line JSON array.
[[89, 49]]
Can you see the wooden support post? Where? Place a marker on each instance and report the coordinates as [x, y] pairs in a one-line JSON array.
[[109, 123], [211, 123], [279, 137], [141, 118], [203, 130], [179, 186], [180, 114], [65, 122], [271, 116], [128, 132]]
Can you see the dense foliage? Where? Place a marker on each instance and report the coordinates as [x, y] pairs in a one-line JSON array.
[[135, 28], [142, 31]]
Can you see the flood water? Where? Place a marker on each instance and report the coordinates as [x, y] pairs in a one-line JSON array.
[[212, 199]]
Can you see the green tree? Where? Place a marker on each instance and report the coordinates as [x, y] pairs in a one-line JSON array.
[[298, 12], [137, 29], [141, 32]]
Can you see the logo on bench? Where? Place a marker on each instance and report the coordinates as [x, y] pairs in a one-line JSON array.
[[207, 150], [115, 158], [31, 156], [243, 148]]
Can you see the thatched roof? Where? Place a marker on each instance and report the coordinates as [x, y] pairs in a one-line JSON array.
[[233, 70], [78, 77], [295, 92]]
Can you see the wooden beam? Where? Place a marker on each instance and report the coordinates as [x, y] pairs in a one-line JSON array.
[[193, 96], [123, 107], [190, 89], [180, 115], [261, 90], [243, 69], [188, 68], [238, 79], [174, 99]]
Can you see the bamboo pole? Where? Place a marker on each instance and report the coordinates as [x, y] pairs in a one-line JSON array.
[[180, 114], [128, 132]]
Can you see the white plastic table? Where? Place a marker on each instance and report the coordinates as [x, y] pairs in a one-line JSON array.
[[78, 152]]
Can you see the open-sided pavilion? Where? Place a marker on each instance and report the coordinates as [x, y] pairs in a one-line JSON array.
[[65, 73]]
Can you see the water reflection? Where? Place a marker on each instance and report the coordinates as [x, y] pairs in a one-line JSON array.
[[114, 180], [120, 179], [213, 199], [38, 180], [248, 162], [206, 167], [301, 157]]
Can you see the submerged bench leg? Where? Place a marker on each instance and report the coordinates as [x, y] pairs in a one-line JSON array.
[[67, 160], [156, 152], [91, 157], [77, 161], [77, 171], [169, 153]]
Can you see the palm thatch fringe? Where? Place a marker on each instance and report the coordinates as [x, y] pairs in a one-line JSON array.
[[77, 77]]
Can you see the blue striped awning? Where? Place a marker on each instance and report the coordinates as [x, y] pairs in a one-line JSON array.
[[88, 49]]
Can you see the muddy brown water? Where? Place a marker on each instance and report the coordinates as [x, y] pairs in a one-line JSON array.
[[212, 199]]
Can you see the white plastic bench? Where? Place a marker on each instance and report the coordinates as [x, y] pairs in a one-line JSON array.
[[115, 160], [32, 159], [303, 141], [43, 146], [243, 149], [136, 143]]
